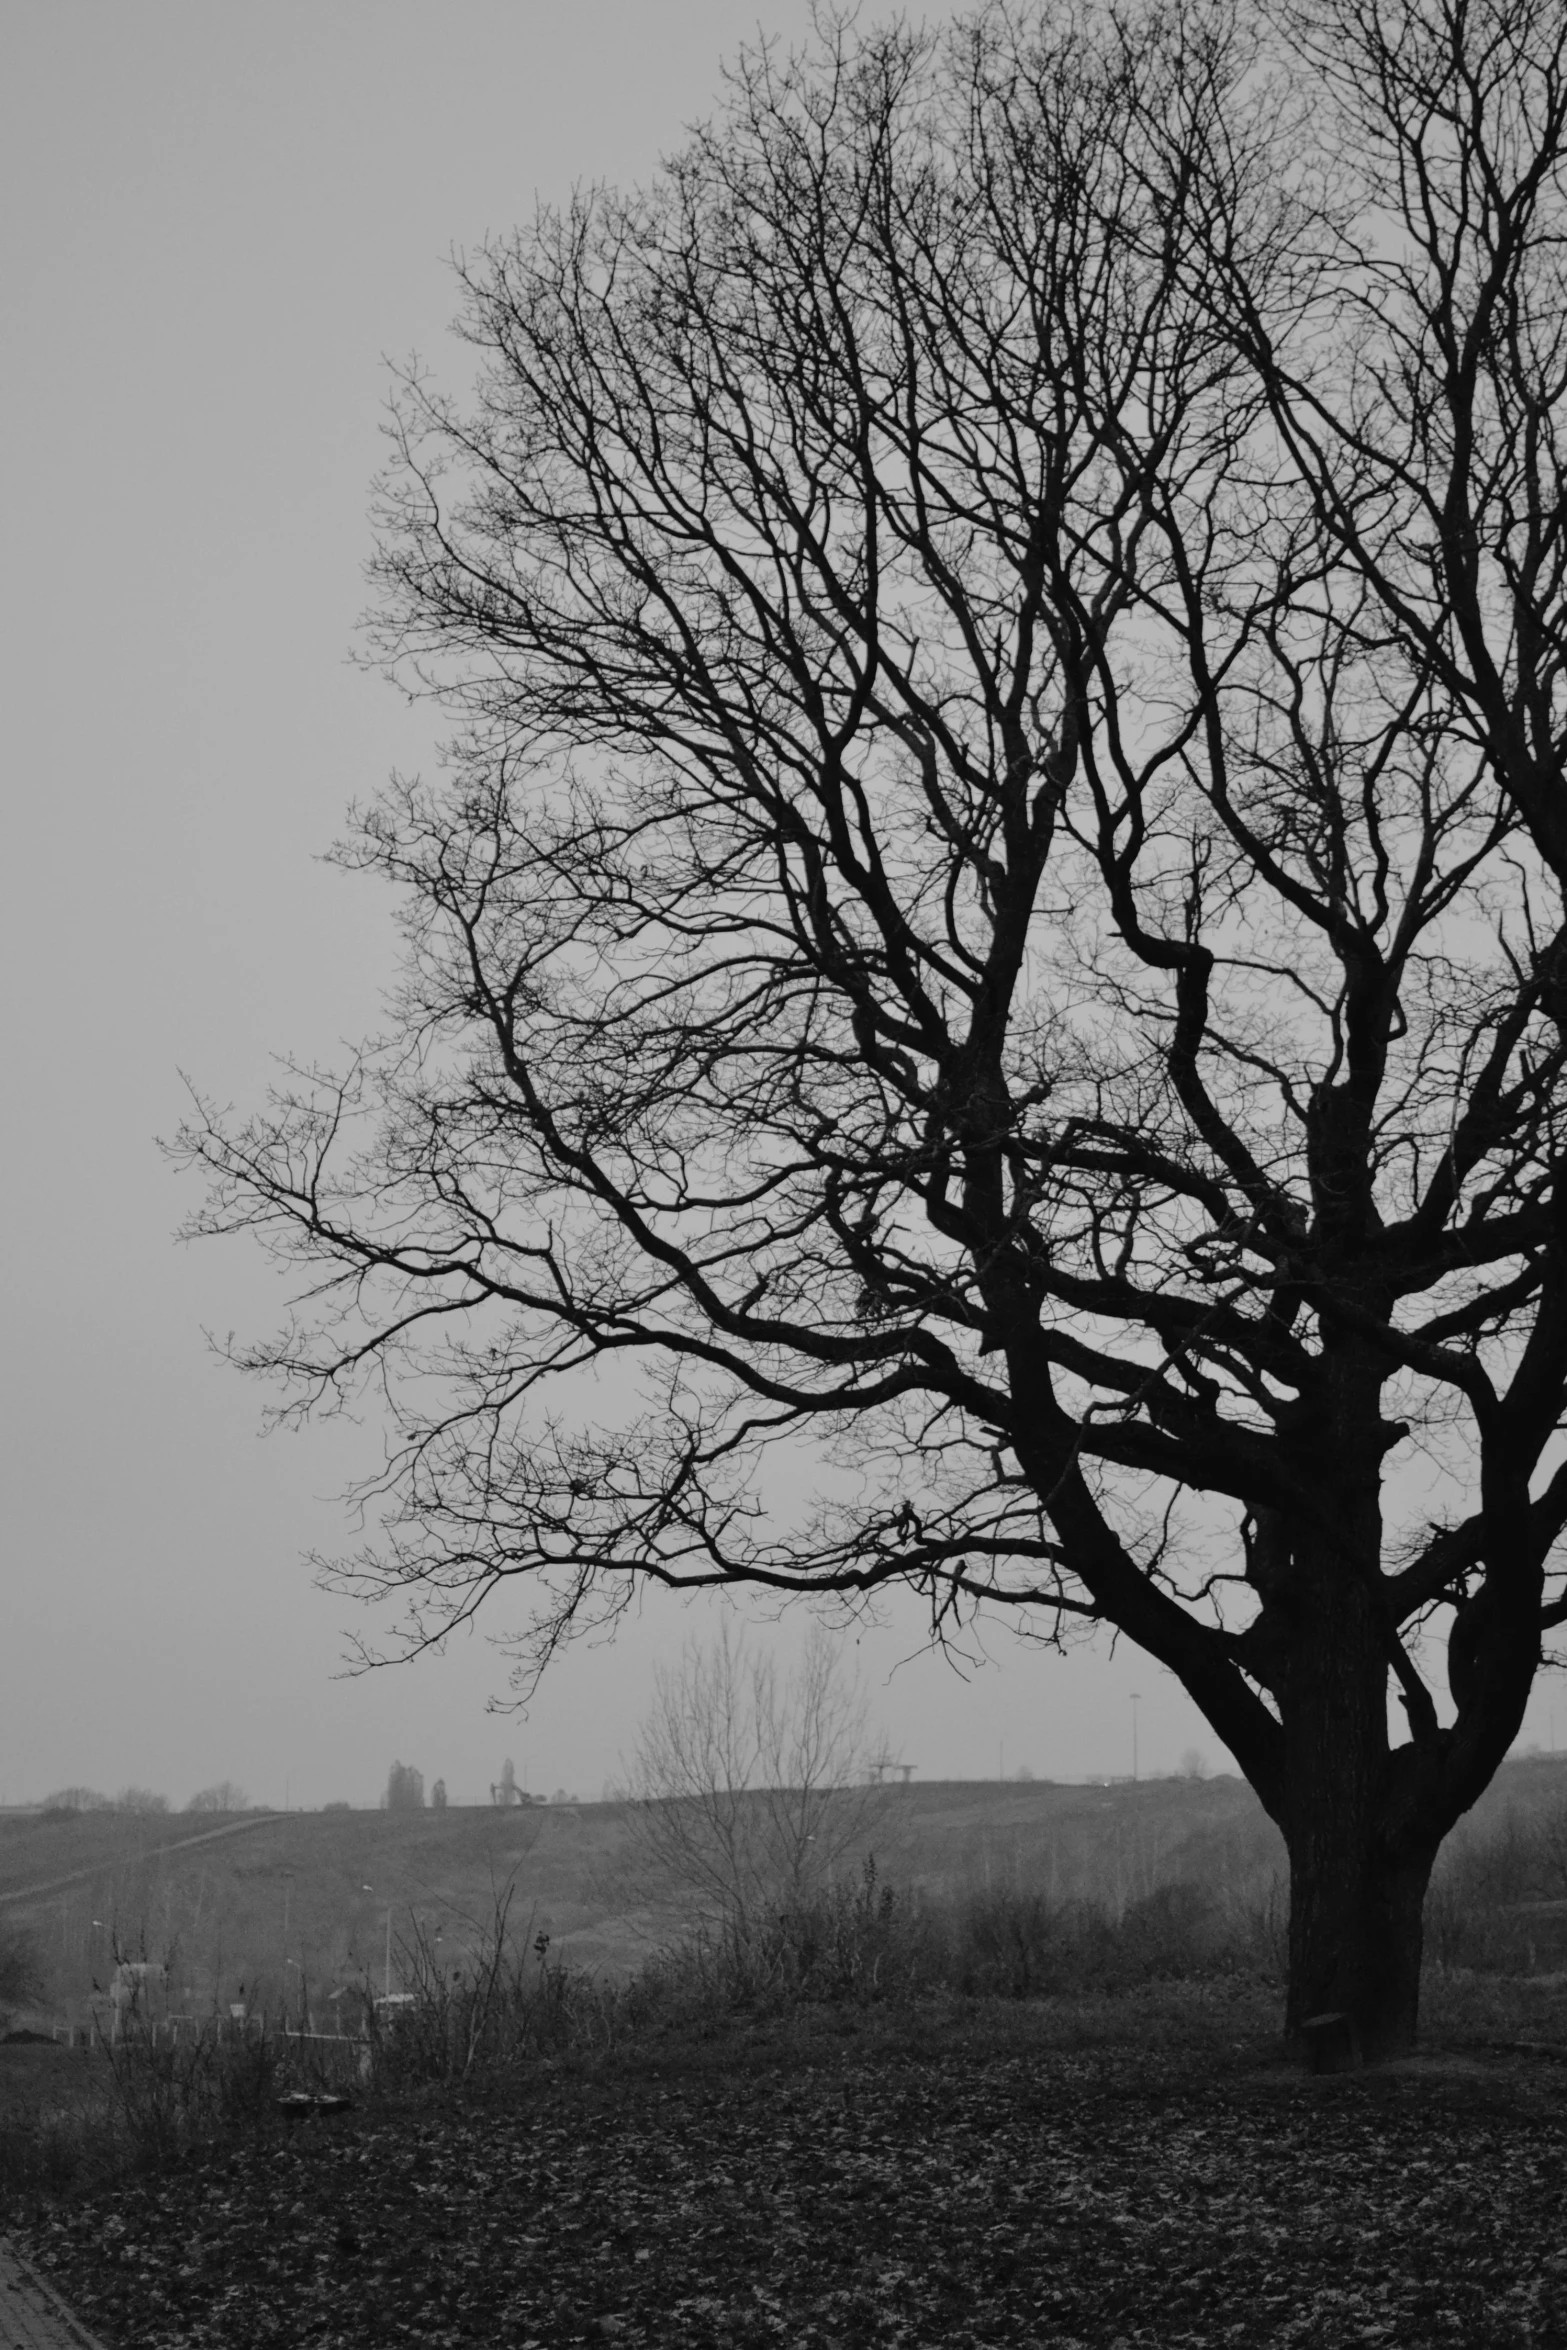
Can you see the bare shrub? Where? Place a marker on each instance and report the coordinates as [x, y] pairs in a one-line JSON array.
[[1552, 1833], [867, 1940], [1495, 1904], [507, 2002], [1451, 1919], [170, 2093], [21, 1970]]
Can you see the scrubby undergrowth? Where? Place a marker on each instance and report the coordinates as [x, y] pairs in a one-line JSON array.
[[876, 2117], [69, 2119]]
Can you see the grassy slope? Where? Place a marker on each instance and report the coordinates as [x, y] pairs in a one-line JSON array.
[[221, 1902], [222, 1899]]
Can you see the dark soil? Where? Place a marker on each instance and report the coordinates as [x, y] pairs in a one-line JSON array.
[[942, 2182]]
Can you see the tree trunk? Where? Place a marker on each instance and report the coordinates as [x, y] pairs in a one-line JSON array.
[[1355, 1941], [1359, 1863]]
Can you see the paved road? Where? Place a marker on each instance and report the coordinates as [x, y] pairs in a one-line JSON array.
[[152, 1852], [32, 2315]]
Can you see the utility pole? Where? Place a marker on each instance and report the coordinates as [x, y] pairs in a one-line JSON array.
[[1136, 1700]]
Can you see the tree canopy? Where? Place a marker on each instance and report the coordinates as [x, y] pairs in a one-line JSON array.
[[994, 912]]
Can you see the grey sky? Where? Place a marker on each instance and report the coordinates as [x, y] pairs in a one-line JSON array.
[[216, 219]]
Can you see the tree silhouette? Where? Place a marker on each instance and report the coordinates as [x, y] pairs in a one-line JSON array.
[[746, 1790], [225, 1796], [994, 920], [404, 1788]]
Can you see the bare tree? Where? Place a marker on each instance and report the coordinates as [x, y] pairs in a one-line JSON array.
[[141, 1799], [996, 913], [747, 1793], [404, 1788], [77, 1799], [225, 1796]]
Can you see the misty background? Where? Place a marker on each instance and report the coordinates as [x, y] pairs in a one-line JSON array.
[[217, 223]]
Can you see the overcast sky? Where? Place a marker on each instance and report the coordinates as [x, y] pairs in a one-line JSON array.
[[218, 221]]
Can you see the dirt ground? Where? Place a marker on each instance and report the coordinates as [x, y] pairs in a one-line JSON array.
[[1147, 2173]]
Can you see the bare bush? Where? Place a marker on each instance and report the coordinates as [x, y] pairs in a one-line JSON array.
[[506, 2002], [864, 1940], [21, 1971], [170, 2094], [1552, 1832]]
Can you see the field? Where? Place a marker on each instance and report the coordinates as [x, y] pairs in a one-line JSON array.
[[246, 1901], [249, 1903], [275, 1895]]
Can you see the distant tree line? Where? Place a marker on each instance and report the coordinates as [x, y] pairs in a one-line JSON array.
[[138, 1799], [225, 1796], [405, 1791]]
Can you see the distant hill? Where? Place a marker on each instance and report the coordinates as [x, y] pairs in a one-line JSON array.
[[236, 1899], [257, 1897]]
